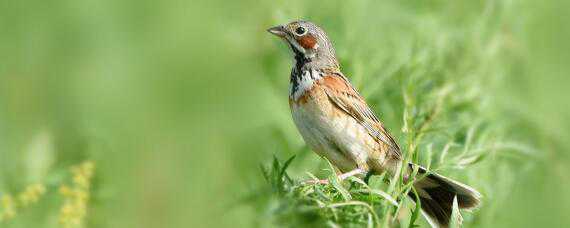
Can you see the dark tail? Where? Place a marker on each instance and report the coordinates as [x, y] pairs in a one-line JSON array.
[[436, 194]]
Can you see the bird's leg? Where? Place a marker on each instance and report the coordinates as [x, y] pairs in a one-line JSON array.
[[351, 173], [341, 177]]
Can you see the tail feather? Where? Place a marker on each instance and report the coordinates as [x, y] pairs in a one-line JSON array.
[[436, 194]]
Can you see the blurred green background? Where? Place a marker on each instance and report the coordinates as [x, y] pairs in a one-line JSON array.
[[178, 102]]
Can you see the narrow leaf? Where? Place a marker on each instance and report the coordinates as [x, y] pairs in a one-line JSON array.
[[456, 218]]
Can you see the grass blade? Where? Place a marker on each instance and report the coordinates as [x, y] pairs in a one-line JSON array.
[[456, 218]]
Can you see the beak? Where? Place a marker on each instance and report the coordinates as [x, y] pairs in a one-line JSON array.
[[278, 31]]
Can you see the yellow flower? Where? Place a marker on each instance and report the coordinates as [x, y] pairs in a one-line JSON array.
[[65, 191], [77, 195], [31, 194], [81, 180], [9, 207]]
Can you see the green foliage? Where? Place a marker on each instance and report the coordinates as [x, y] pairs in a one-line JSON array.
[[178, 102]]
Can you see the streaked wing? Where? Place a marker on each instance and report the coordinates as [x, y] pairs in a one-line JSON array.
[[341, 93]]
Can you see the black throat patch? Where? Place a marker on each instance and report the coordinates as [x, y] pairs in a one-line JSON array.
[[297, 71]]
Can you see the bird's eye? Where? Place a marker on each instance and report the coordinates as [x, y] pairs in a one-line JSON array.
[[300, 31]]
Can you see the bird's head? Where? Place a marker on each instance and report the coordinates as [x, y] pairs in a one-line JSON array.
[[309, 43]]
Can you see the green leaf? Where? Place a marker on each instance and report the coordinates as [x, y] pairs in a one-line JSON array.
[[282, 172], [265, 173], [338, 186], [456, 218], [416, 211]]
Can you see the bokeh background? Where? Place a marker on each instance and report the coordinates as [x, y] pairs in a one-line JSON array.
[[177, 103]]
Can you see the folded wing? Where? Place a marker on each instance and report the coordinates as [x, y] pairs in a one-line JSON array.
[[346, 98]]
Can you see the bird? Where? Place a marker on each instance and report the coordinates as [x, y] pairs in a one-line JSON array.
[[336, 123]]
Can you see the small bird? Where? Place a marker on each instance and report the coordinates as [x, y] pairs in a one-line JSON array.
[[337, 124]]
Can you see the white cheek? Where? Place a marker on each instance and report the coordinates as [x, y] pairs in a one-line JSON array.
[[296, 45]]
